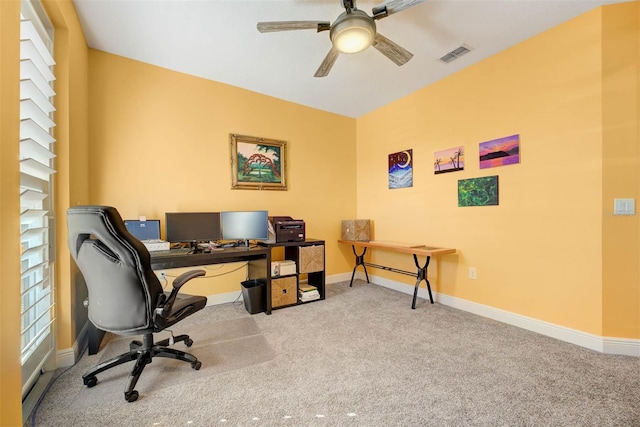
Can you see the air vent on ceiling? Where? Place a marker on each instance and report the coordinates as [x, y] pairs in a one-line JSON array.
[[455, 53]]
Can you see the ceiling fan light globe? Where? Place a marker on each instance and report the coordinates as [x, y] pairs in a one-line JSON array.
[[353, 40], [353, 32]]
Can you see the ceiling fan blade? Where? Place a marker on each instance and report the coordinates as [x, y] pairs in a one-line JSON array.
[[270, 27], [392, 6], [329, 60], [391, 50]]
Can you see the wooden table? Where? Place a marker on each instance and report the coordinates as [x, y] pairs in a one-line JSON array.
[[413, 249]]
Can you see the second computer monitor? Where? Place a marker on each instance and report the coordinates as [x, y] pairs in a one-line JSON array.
[[144, 230], [192, 226], [244, 225]]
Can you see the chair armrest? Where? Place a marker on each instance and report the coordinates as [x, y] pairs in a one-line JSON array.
[[165, 308], [185, 277]]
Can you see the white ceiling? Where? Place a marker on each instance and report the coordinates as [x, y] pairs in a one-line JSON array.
[[218, 40]]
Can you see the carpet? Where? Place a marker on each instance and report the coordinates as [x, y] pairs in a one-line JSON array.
[[221, 347], [360, 357]]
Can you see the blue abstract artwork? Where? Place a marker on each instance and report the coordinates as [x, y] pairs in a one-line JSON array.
[[401, 169]]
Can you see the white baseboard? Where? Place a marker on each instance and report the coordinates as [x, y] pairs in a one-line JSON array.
[[224, 298], [68, 356], [607, 345], [623, 346], [335, 278]]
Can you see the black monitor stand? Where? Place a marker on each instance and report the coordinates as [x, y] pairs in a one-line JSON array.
[[193, 247], [244, 244]]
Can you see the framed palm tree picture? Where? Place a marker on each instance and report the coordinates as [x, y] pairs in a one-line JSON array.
[[449, 160], [258, 163]]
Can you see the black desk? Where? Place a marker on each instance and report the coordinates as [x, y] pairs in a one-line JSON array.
[[259, 267], [159, 262]]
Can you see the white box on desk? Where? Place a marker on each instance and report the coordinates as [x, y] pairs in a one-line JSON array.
[[287, 267], [156, 245]]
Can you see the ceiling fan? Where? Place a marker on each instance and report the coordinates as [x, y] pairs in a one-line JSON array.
[[352, 32]]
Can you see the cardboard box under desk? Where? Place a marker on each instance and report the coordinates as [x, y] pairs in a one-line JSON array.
[[284, 291], [311, 258]]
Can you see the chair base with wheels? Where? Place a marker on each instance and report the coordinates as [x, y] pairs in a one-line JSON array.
[[142, 352]]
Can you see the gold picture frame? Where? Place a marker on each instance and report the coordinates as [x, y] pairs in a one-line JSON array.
[[258, 163]]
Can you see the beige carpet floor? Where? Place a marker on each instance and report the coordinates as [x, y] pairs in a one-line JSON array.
[[222, 346], [360, 357]]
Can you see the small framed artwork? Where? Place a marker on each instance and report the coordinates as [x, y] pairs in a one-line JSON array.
[[401, 169], [478, 191], [500, 152], [449, 160], [258, 163]]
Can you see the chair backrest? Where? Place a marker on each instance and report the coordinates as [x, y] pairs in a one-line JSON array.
[[123, 290]]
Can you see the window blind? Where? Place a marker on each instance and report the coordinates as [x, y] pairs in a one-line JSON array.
[[36, 205]]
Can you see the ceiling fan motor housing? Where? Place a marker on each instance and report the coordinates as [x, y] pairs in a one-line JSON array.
[[352, 32]]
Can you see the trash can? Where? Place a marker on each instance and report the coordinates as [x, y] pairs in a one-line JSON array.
[[254, 295]]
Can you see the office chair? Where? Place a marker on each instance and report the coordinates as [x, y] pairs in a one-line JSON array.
[[125, 296]]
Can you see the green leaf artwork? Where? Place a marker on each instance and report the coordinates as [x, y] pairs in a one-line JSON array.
[[478, 191]]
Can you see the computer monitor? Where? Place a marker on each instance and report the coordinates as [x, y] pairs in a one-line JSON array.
[[192, 227], [244, 225], [144, 230]]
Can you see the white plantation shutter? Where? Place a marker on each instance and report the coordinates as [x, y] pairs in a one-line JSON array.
[[36, 204]]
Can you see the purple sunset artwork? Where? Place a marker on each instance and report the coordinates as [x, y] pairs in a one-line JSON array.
[[500, 152]]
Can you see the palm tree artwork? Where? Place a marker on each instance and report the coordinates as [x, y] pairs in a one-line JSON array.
[[455, 163], [437, 164]]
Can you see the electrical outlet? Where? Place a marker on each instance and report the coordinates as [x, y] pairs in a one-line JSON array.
[[473, 273], [624, 206]]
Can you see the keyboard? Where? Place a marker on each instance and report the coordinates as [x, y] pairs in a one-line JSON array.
[[171, 252]]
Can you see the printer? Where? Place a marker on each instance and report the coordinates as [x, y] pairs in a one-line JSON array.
[[287, 229]]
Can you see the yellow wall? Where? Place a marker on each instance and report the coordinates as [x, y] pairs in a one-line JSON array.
[[71, 132], [10, 382], [621, 169], [547, 251], [159, 142]]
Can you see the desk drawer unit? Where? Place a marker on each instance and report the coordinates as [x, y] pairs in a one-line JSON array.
[[284, 291]]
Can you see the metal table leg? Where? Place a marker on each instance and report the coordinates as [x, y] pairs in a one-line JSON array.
[[359, 261], [420, 276]]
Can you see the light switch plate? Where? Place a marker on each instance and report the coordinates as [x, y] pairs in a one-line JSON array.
[[624, 206]]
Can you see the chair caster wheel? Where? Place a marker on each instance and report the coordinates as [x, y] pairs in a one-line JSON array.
[[135, 344], [196, 365], [90, 382], [131, 396], [188, 342]]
